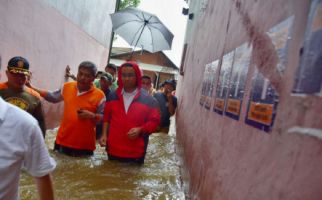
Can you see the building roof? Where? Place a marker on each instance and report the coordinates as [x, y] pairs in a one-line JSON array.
[[121, 52], [149, 67]]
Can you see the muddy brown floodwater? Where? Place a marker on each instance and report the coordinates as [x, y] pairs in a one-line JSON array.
[[97, 178]]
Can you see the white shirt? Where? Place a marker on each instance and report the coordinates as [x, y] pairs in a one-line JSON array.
[[128, 98], [21, 146]]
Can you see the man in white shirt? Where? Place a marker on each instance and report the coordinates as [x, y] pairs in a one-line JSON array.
[[22, 147]]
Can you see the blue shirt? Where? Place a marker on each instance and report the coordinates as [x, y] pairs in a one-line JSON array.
[[164, 104]]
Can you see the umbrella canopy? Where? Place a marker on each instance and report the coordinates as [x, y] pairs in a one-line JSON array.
[[142, 29]]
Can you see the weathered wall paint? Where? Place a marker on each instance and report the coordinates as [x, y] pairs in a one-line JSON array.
[[92, 16], [50, 41], [228, 159]]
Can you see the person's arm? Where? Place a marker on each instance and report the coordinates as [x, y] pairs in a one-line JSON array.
[[103, 139], [106, 116], [97, 117], [45, 187], [153, 119], [51, 96], [68, 74], [39, 115], [134, 132], [86, 114], [171, 106]]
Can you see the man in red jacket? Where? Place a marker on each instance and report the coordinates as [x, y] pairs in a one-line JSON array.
[[130, 116]]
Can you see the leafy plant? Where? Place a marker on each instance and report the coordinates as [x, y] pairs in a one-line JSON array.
[[127, 3]]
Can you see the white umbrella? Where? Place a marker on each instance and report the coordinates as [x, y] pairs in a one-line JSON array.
[[142, 29]]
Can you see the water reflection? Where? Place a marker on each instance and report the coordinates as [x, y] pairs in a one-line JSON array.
[[96, 178]]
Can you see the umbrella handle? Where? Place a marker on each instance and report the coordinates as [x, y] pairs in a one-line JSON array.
[[145, 22]]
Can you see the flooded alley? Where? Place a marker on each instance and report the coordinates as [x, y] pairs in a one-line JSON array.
[[241, 80], [97, 178]]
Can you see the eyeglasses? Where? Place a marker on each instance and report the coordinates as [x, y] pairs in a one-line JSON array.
[[129, 75]]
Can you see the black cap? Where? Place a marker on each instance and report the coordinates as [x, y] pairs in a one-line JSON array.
[[19, 65], [171, 82]]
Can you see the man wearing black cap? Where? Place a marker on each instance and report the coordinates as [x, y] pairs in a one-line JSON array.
[[15, 92], [167, 104]]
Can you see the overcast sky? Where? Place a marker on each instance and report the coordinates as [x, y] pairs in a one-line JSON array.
[[170, 13]]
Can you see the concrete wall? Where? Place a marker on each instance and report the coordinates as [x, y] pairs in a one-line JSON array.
[[92, 16], [50, 41], [228, 159]]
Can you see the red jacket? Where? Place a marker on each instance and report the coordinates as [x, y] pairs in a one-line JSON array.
[[143, 112]]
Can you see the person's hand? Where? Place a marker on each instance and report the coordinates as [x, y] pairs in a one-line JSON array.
[[134, 132], [67, 71], [169, 94], [102, 140], [85, 114], [68, 74]]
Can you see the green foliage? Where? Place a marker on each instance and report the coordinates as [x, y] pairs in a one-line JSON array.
[[127, 3], [124, 4]]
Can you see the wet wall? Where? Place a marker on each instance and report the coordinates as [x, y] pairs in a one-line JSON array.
[[271, 147], [53, 34]]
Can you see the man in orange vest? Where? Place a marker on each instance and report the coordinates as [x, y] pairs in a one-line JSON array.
[[83, 108]]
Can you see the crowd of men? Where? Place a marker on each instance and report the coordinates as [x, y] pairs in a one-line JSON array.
[[118, 107]]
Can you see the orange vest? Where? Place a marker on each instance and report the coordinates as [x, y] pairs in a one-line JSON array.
[[74, 132]]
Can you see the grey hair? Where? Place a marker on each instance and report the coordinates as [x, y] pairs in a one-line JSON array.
[[89, 65]]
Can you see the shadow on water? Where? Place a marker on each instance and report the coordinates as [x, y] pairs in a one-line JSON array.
[[97, 178]]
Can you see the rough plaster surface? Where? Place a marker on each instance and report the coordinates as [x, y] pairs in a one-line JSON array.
[[50, 41], [92, 16], [227, 159]]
